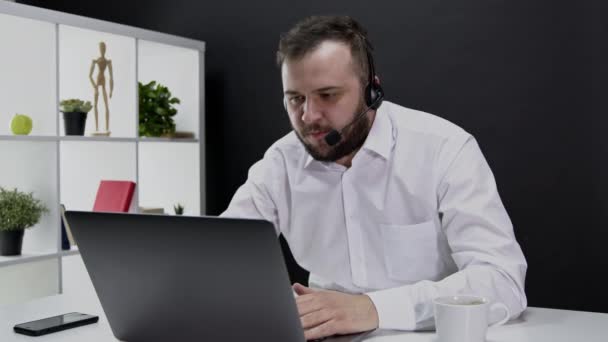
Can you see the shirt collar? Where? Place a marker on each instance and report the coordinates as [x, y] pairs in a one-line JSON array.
[[380, 139]]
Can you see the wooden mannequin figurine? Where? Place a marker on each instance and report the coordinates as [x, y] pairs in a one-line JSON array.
[[102, 63]]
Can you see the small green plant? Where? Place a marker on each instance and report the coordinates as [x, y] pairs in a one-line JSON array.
[[75, 106], [156, 110], [19, 210], [179, 209]]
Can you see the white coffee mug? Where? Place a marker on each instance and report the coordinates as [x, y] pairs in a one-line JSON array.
[[465, 318]]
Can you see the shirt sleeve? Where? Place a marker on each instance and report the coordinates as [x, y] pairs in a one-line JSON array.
[[257, 197], [482, 242]]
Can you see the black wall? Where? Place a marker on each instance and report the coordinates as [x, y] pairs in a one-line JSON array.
[[527, 78]]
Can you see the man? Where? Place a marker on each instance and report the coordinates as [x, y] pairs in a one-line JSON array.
[[393, 209]]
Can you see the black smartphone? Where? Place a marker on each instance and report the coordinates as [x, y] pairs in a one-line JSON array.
[[56, 323]]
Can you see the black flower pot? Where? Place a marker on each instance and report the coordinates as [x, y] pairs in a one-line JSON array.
[[74, 123], [11, 242]]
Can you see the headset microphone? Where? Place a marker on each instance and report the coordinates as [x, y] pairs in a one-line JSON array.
[[334, 137]]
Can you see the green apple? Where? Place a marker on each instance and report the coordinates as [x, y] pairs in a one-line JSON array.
[[21, 124]]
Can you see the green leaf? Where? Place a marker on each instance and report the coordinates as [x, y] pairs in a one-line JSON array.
[[156, 109], [19, 210], [75, 105]]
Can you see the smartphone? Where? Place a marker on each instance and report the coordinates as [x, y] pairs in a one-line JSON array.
[[56, 323]]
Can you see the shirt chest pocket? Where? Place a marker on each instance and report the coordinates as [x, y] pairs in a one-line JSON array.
[[411, 252]]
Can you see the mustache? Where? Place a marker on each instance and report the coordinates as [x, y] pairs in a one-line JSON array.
[[315, 128]]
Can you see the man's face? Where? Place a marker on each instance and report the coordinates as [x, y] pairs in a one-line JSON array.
[[323, 92]]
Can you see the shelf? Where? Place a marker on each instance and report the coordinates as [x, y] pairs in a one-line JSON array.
[[28, 256], [73, 251], [67, 169], [179, 69], [91, 138], [120, 139], [28, 137], [77, 47], [167, 172], [29, 75], [175, 140]]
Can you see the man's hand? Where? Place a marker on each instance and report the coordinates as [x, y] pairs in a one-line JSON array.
[[325, 313]]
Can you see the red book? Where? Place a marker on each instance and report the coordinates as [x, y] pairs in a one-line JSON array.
[[114, 196]]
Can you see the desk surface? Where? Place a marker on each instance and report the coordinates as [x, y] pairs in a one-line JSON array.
[[536, 324]]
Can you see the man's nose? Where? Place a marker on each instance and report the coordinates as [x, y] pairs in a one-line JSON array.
[[312, 112]]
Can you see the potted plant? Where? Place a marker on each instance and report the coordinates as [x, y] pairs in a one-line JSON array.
[[74, 115], [179, 209], [156, 110], [18, 211]]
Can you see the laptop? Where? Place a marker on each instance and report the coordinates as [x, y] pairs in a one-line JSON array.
[[181, 278]]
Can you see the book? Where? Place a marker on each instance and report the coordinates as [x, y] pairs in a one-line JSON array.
[[114, 196], [178, 135], [183, 135], [67, 239], [65, 242], [151, 210]]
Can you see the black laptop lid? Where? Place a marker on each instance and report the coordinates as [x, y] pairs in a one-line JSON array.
[[179, 278]]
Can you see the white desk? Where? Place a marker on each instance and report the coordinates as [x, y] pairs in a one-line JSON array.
[[536, 325]]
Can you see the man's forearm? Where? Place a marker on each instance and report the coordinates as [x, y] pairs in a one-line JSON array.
[[410, 307]]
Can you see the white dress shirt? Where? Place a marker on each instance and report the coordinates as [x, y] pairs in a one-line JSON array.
[[416, 216]]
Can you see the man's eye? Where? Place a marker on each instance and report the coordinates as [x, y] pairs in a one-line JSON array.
[[327, 96], [296, 100]]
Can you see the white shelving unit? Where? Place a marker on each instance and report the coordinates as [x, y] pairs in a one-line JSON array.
[[46, 57]]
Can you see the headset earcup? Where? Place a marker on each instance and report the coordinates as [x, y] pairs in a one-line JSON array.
[[370, 95], [374, 96]]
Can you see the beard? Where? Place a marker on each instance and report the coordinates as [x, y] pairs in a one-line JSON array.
[[352, 138]]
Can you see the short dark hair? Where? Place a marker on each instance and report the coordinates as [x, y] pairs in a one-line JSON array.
[[309, 33]]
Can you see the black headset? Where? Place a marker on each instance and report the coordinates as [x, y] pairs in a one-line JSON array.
[[373, 91]]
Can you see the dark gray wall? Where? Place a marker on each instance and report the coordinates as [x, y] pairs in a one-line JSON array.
[[527, 78]]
